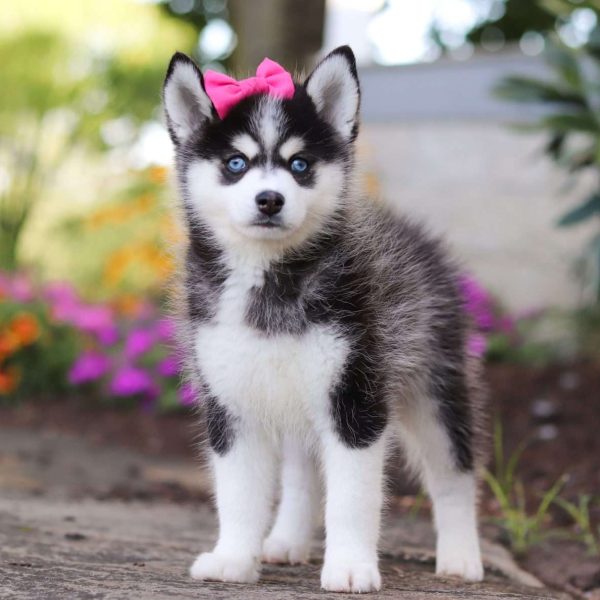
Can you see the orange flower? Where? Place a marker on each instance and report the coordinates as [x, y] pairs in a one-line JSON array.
[[129, 305], [9, 344], [25, 328], [158, 174], [9, 379]]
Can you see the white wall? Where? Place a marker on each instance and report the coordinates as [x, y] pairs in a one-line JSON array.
[[488, 189]]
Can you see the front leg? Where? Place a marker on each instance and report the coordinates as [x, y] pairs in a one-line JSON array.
[[291, 536], [244, 472], [354, 480]]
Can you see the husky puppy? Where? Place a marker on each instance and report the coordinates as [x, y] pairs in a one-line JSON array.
[[320, 329]]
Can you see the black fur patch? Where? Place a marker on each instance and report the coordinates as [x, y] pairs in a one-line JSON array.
[[219, 426], [295, 288], [359, 409], [450, 389], [205, 273], [448, 379]]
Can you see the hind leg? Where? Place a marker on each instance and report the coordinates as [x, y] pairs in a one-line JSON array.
[[444, 460], [291, 536]]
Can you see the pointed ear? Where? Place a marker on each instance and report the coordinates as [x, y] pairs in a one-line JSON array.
[[185, 100], [333, 87]]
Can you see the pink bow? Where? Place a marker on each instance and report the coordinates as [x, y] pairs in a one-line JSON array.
[[225, 92]]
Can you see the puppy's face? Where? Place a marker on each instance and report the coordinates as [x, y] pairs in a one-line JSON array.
[[272, 169]]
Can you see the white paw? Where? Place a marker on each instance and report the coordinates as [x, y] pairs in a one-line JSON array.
[[280, 551], [218, 567], [466, 565], [358, 577]]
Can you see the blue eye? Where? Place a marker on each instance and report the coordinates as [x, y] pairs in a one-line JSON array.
[[298, 165], [236, 164]]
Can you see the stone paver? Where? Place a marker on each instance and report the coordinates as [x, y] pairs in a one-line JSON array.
[[56, 545]]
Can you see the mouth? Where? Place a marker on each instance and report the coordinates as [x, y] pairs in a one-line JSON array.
[[268, 223]]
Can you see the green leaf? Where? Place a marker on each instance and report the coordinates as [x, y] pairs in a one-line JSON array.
[[584, 211], [564, 61], [525, 89], [583, 121]]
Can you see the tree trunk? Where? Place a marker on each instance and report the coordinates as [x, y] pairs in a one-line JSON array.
[[287, 31]]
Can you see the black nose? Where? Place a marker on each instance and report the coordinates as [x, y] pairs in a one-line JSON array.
[[269, 203]]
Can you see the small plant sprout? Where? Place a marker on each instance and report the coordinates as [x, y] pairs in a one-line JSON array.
[[580, 513], [523, 528]]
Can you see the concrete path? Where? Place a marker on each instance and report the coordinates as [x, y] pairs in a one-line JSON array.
[[60, 539]]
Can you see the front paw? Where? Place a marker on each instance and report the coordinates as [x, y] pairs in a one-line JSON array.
[[348, 576], [279, 551], [212, 566]]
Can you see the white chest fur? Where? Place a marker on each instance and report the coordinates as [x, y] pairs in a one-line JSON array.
[[282, 380]]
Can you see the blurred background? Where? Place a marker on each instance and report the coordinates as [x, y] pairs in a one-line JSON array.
[[480, 117]]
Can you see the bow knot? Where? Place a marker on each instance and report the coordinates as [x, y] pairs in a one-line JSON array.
[[225, 92]]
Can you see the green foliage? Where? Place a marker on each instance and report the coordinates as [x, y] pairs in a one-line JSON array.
[[517, 18], [587, 323], [522, 526], [64, 85], [580, 513], [52, 111], [570, 106], [36, 352]]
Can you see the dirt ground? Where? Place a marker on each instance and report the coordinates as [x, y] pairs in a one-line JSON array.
[[556, 409]]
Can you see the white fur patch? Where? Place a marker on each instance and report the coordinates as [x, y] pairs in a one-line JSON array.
[[291, 146], [278, 381], [334, 91], [245, 144], [352, 516], [453, 494], [186, 103], [291, 536], [268, 121]]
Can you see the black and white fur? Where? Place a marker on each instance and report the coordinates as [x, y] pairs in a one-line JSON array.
[[318, 335]]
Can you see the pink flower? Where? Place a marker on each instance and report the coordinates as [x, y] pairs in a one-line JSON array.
[[92, 317], [478, 302], [90, 366], [61, 295], [476, 344], [165, 329], [168, 367], [131, 381], [138, 342], [188, 395], [96, 319], [17, 286], [21, 288]]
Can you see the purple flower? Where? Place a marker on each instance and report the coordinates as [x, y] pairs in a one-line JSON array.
[[138, 342], [168, 367], [61, 295], [165, 329], [98, 320], [17, 286], [21, 288], [476, 344], [131, 381], [478, 302], [90, 366], [108, 335], [187, 395]]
